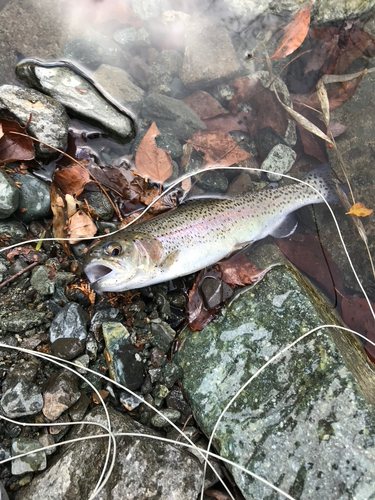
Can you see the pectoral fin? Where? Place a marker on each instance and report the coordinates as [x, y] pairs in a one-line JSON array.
[[150, 247], [170, 259]]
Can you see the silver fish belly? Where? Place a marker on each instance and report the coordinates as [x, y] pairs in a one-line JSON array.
[[198, 234]]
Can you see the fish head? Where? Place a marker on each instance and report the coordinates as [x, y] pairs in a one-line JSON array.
[[110, 265]]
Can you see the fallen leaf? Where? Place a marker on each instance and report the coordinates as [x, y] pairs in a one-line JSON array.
[[312, 145], [95, 399], [14, 147], [238, 271], [150, 161], [59, 217], [198, 316], [204, 105], [71, 180], [27, 252], [218, 148], [80, 225], [359, 210], [294, 34], [228, 123]]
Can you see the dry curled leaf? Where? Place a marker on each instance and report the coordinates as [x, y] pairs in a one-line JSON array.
[[152, 162], [71, 180], [238, 271], [59, 217], [359, 210], [80, 225], [95, 398], [294, 34], [204, 105], [14, 147]]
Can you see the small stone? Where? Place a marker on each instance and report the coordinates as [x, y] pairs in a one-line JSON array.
[[35, 199], [78, 410], [160, 392], [13, 229], [102, 316], [9, 196], [70, 323], [215, 292], [47, 440], [167, 140], [130, 402], [176, 401], [164, 69], [159, 422], [19, 321], [67, 348], [32, 462], [157, 356], [93, 48], [82, 362], [213, 181], [131, 37], [279, 160], [101, 205], [60, 393], [22, 398], [3, 493], [162, 335], [240, 185], [49, 122], [171, 373], [209, 55], [46, 280]]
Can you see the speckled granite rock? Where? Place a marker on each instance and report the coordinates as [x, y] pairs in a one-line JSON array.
[[302, 424]]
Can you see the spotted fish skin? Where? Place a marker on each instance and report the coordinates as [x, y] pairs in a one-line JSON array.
[[198, 234]]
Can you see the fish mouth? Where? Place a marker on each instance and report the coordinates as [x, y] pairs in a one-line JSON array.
[[96, 273]]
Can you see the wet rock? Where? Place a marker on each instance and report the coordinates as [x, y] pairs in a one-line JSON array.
[[22, 398], [102, 316], [302, 411], [19, 321], [131, 37], [215, 292], [67, 348], [209, 55], [162, 335], [9, 196], [70, 323], [3, 493], [35, 199], [240, 185], [62, 83], [93, 48], [148, 9], [49, 122], [159, 422], [32, 462], [176, 401], [138, 468], [173, 114], [78, 410], [130, 402], [279, 160], [163, 70], [124, 361], [171, 373], [101, 205], [46, 280], [213, 181], [167, 140], [118, 84], [60, 393]]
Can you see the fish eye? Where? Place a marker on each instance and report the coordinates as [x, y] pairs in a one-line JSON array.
[[113, 249]]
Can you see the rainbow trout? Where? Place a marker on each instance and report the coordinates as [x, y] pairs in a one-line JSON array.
[[198, 234]]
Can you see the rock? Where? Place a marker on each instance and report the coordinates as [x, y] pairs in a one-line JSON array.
[[60, 393], [93, 48], [118, 84], [279, 160], [215, 292], [35, 199], [172, 114], [102, 316], [61, 83], [100, 204], [49, 120], [123, 359], [176, 400], [209, 55], [163, 70], [167, 140], [70, 323], [240, 185], [46, 280], [3, 493], [9, 196], [303, 411], [19, 321], [205, 105], [14, 229], [148, 9], [131, 37], [21, 399], [144, 468], [130, 402], [32, 462], [67, 348], [162, 335], [159, 422], [213, 181], [171, 374]]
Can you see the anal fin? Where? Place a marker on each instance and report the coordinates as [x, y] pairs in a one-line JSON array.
[[286, 227]]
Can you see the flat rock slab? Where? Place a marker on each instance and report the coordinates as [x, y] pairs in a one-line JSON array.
[[302, 424], [144, 468]]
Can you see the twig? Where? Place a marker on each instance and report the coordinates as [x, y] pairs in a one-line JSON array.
[[17, 275]]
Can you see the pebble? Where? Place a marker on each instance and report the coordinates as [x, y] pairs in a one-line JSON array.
[[20, 321], [93, 48], [35, 199], [131, 37], [167, 140], [171, 373], [70, 323], [213, 181], [60, 393], [47, 281], [9, 196], [49, 122], [67, 348], [22, 398], [159, 422], [166, 67], [78, 409], [162, 335], [215, 292], [101, 205], [130, 402], [32, 462], [279, 160]]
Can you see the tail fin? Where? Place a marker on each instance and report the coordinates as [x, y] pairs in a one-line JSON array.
[[320, 179]]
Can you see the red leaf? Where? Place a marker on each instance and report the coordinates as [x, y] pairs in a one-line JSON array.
[[204, 105], [71, 180], [228, 123], [14, 147], [199, 317], [238, 271]]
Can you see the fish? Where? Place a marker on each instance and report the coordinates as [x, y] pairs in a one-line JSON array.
[[199, 234]]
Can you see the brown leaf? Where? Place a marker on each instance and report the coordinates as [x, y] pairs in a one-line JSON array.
[[59, 217], [150, 161], [71, 180], [27, 252], [198, 316], [95, 399], [238, 271], [218, 148], [14, 147], [247, 89], [228, 123], [312, 145], [359, 210], [294, 34], [80, 225], [204, 105], [148, 196]]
